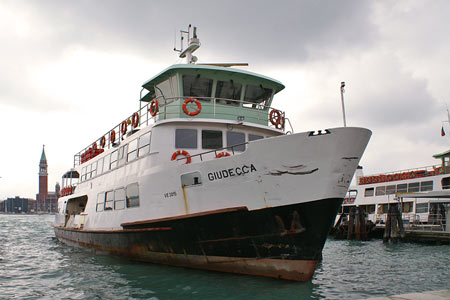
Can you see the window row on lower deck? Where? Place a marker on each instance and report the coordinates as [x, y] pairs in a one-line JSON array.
[[187, 138], [119, 198], [135, 149], [412, 187]]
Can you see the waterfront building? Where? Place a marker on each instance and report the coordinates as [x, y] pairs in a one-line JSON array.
[[17, 205]]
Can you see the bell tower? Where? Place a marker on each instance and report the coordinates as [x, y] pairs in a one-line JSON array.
[[43, 182]]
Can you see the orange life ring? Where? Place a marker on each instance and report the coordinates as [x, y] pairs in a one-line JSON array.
[[103, 142], [112, 136], [194, 113], [276, 118], [123, 128], [135, 120], [222, 154], [154, 107], [182, 152]]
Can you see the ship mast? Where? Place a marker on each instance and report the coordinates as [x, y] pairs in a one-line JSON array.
[[193, 44]]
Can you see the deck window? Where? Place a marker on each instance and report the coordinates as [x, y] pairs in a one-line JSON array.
[[133, 195], [228, 92], [106, 163], [407, 207], [94, 169], [197, 86], [235, 138], [368, 192], [445, 183], [114, 157], [100, 201], [109, 203], [380, 191], [256, 94], [390, 190], [402, 188], [119, 199], [100, 166], [421, 208], [413, 187], [426, 186], [186, 138], [254, 137], [368, 209], [88, 171], [144, 144], [132, 150], [83, 174], [211, 139]]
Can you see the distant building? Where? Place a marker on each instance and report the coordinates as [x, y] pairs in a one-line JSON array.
[[46, 201], [18, 205]]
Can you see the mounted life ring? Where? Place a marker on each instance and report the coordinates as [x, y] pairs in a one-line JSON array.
[[112, 136], [123, 127], [182, 152], [103, 142], [154, 107], [135, 120], [194, 113], [222, 154], [276, 118]]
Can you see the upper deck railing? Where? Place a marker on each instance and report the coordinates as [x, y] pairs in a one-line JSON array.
[[402, 175], [184, 107]]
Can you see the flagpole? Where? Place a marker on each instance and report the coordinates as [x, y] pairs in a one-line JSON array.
[[342, 101]]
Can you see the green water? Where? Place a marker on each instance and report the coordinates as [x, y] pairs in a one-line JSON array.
[[34, 265]]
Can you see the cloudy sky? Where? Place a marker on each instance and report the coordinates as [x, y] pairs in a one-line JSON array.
[[71, 70]]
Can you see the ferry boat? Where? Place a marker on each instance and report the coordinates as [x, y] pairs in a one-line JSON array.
[[205, 175], [422, 194]]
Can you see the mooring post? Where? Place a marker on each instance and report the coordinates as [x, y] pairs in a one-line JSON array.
[[358, 224], [387, 227], [351, 222]]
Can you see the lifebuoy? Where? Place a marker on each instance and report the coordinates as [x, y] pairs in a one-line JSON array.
[[103, 142], [123, 128], [182, 152], [135, 120], [276, 118], [194, 113], [222, 154], [112, 136], [154, 107]]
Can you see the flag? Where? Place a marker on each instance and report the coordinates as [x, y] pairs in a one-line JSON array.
[[442, 131]]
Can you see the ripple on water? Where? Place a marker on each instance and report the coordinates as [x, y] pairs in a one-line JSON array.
[[34, 265]]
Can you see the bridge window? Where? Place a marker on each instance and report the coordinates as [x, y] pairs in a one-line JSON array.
[[119, 199], [256, 94], [445, 183], [106, 163], [211, 139], [235, 138], [230, 91], [402, 188], [94, 169], [380, 191], [100, 166], [186, 138], [133, 195], [114, 157], [196, 86], [144, 144]]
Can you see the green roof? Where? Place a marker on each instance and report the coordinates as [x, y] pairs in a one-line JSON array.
[[440, 155], [149, 85]]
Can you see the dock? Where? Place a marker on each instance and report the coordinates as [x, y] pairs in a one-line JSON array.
[[432, 295]]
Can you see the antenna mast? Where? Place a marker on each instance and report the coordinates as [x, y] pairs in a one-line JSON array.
[[192, 45]]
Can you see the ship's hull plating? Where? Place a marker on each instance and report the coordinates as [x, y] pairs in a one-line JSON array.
[[281, 242]]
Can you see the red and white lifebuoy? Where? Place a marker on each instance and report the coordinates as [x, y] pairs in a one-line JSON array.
[[112, 136], [222, 154], [123, 128], [192, 113], [182, 152], [135, 120], [276, 118], [154, 107], [103, 142]]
